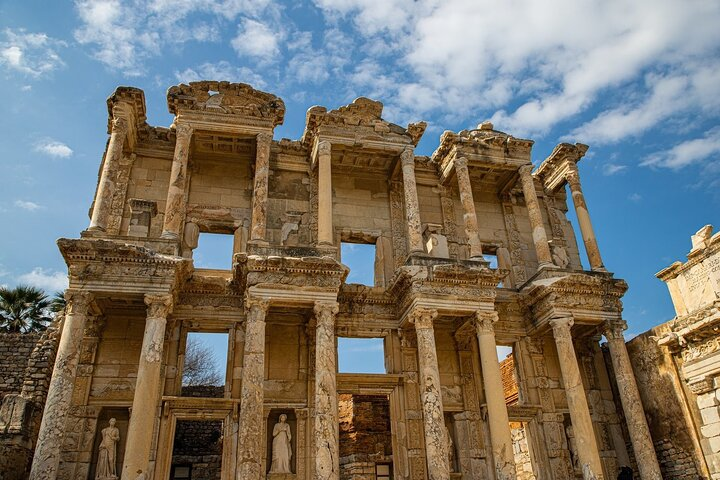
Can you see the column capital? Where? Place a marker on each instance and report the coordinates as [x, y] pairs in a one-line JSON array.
[[264, 138], [613, 329], [525, 170], [324, 148], [158, 305], [120, 125], [572, 175], [484, 321], [325, 311], [460, 162], [422, 317], [561, 325], [77, 301], [256, 307], [407, 157], [183, 131]]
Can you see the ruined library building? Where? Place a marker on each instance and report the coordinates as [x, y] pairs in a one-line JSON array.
[[472, 250]]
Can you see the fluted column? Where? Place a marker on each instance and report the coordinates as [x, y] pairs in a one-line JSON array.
[[260, 188], [147, 388], [470, 221], [326, 422], [252, 392], [632, 405], [577, 401], [583, 216], [175, 204], [436, 441], [108, 175], [325, 220], [542, 248], [498, 419], [52, 427], [412, 208]]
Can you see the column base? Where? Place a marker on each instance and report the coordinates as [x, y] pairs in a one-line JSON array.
[[547, 265], [600, 269], [170, 235], [95, 228]]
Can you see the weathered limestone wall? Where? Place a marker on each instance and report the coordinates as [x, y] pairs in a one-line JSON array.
[[15, 350], [199, 445], [149, 180], [361, 202], [286, 361]]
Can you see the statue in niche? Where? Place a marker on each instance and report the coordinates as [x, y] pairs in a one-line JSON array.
[[107, 453], [559, 255], [281, 446], [572, 446]]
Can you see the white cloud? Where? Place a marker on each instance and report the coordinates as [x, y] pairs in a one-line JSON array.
[[26, 205], [221, 71], [613, 168], [54, 149], [256, 39], [635, 197], [689, 152], [33, 54], [48, 280]]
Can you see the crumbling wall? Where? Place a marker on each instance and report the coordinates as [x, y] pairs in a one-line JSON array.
[[365, 438], [199, 445], [15, 350]]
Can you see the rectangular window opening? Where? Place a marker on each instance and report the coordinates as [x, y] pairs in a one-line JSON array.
[[508, 374], [361, 355], [214, 251], [205, 365], [360, 258], [197, 449]]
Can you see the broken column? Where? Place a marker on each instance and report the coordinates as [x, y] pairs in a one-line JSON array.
[[108, 175], [436, 440], [326, 423], [252, 393], [498, 420], [539, 236], [583, 216], [52, 428], [147, 389], [468, 203], [577, 401], [260, 188], [412, 209], [175, 204]]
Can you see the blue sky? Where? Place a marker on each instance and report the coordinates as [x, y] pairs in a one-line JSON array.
[[639, 81]]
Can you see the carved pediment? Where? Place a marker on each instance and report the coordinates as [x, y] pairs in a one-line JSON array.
[[226, 98], [483, 139]]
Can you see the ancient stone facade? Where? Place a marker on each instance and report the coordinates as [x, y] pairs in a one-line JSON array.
[[677, 364], [440, 309]]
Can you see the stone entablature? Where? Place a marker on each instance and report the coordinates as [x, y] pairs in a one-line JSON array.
[[441, 311]]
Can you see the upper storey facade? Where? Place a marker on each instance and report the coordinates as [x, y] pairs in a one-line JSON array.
[[352, 177]]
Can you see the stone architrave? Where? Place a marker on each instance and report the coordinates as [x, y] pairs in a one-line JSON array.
[[176, 197], [252, 393], [583, 216], [436, 446], [260, 188], [326, 422], [470, 221], [412, 209], [325, 221], [632, 405], [542, 248], [577, 401], [52, 428], [108, 176], [147, 388], [499, 423]]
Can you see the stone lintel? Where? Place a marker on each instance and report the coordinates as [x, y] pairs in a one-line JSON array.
[[553, 170], [291, 297], [128, 103]]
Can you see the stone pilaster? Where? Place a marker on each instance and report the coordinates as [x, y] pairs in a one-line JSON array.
[[470, 221], [176, 197], [260, 188], [52, 428], [436, 442], [412, 209], [108, 175], [147, 389], [632, 405], [577, 401], [583, 216], [498, 420], [542, 248], [326, 422], [325, 220], [252, 392]]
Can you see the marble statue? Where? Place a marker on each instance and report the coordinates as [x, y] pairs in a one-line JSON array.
[[281, 446], [107, 452]]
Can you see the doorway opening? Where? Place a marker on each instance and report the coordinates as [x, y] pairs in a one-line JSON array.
[[197, 450], [365, 437]]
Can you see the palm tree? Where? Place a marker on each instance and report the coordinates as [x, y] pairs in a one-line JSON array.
[[57, 302], [23, 309]]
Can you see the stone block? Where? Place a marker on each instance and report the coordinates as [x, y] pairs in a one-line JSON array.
[[710, 415]]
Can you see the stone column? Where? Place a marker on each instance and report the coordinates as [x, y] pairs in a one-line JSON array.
[[542, 248], [412, 209], [472, 231], [175, 204], [252, 392], [325, 214], [326, 422], [586, 229], [108, 175], [147, 389], [632, 406], [436, 442], [577, 401], [498, 420], [52, 427], [260, 188]]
